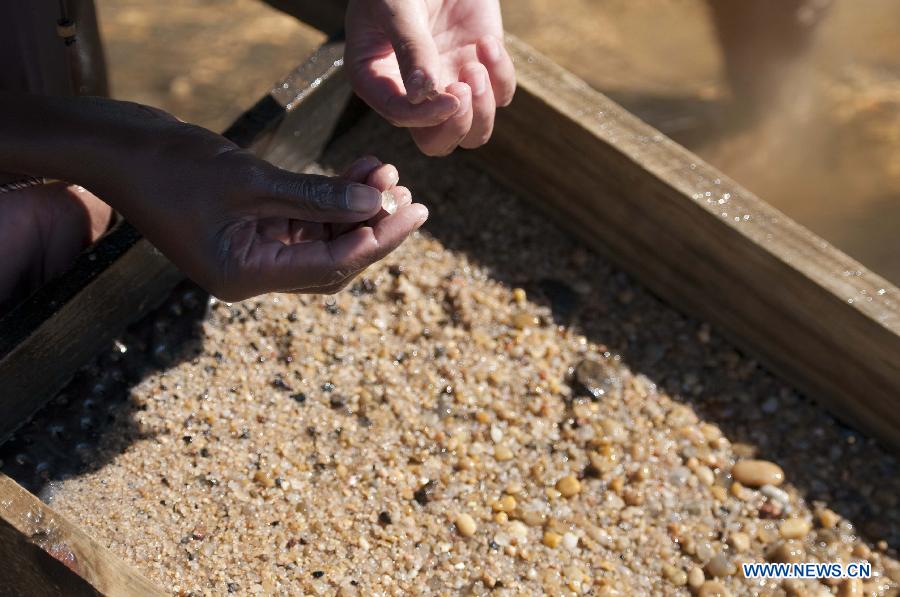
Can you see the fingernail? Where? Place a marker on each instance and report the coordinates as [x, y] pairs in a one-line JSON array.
[[451, 105], [419, 87], [492, 49], [362, 198]]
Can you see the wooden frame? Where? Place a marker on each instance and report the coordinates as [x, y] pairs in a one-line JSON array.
[[696, 238]]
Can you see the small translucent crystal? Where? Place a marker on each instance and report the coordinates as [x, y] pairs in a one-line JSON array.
[[389, 202]]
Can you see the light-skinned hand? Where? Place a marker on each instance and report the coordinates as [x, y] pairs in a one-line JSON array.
[[437, 67]]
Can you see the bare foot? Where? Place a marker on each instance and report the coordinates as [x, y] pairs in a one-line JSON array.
[[42, 231]]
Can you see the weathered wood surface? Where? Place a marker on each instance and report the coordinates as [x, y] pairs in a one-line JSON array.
[[42, 553], [320, 85], [703, 243], [48, 337]]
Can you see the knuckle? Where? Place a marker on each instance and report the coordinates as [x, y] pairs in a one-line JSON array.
[[251, 175], [318, 193]]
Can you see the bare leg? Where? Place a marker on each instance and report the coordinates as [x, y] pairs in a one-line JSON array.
[[762, 40], [42, 231]]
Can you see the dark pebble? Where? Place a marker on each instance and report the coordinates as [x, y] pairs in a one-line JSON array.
[[423, 494], [596, 379], [279, 384]]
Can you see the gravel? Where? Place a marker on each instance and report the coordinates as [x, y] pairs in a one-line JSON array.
[[427, 431]]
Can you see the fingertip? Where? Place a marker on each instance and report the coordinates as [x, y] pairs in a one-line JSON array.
[[402, 195], [446, 104], [362, 199], [419, 87], [475, 74], [400, 112], [492, 53], [361, 168], [383, 177], [463, 94], [420, 212], [489, 49]]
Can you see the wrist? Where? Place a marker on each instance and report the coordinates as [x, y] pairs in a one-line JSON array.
[[92, 142]]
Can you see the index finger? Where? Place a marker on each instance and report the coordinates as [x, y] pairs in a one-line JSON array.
[[306, 267], [385, 94]]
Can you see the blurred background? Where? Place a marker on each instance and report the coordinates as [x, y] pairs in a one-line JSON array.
[[818, 135]]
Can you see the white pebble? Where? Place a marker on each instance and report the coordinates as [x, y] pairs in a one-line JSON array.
[[777, 495], [519, 532]]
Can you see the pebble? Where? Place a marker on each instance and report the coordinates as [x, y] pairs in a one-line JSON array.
[[770, 406], [502, 453], [704, 551], [533, 518], [551, 539], [389, 202], [523, 320], [777, 495], [507, 504], [696, 578], [519, 532], [788, 552], [851, 587], [794, 528], [465, 525], [720, 566], [713, 588], [705, 474], [828, 518], [675, 575], [739, 541], [568, 486], [596, 378], [756, 473]]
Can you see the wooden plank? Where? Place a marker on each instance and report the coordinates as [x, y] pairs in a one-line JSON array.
[[42, 553], [48, 337], [321, 86], [703, 243]]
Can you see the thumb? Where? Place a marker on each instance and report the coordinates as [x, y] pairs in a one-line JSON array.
[[318, 198], [410, 36]]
